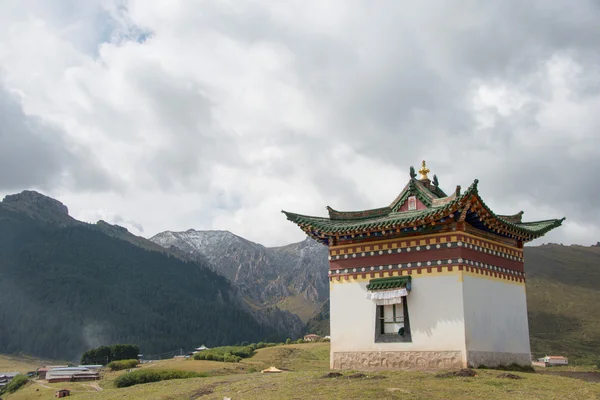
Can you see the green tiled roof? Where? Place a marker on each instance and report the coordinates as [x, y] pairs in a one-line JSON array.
[[388, 283], [426, 193], [385, 218]]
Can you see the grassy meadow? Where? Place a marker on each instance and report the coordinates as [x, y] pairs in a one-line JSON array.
[[23, 364], [305, 377]]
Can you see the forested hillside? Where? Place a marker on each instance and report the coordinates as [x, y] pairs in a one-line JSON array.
[[67, 286]]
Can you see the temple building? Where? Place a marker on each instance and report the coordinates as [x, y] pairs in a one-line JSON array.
[[432, 281]]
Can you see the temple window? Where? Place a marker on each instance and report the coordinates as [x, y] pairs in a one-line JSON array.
[[390, 296]]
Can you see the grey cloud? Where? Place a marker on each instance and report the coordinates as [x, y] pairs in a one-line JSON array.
[[118, 220], [393, 82], [193, 140], [34, 154], [550, 176]]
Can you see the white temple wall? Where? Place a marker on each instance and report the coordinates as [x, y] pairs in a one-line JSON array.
[[436, 313], [497, 331]]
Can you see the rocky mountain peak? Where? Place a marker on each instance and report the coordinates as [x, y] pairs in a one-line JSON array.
[[117, 228], [266, 276], [37, 200]]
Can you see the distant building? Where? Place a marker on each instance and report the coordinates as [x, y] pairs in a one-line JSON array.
[[71, 374], [6, 377], [41, 372], [62, 393], [312, 338], [554, 360], [92, 367], [199, 349], [432, 280]]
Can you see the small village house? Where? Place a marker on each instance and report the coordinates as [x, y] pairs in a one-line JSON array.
[[6, 377], [41, 372], [550, 361], [430, 281], [199, 349], [62, 393], [312, 338]]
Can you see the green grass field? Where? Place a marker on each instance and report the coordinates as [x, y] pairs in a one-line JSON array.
[[306, 366], [23, 364]]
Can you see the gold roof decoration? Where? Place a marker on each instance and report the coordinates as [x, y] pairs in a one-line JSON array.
[[424, 171]]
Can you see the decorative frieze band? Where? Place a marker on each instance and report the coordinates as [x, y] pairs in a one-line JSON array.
[[428, 267], [404, 247]]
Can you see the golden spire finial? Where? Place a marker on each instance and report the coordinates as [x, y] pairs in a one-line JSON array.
[[424, 171]]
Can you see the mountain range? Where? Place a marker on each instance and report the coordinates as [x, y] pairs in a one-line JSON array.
[[562, 284], [292, 277], [67, 286]]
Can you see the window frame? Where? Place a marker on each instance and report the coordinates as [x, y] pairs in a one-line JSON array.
[[380, 336]]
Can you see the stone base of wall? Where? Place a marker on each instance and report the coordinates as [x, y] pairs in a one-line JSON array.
[[493, 359], [390, 360]]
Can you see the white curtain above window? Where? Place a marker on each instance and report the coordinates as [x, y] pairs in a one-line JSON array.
[[387, 297]]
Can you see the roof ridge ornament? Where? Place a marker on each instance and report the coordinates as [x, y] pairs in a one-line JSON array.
[[412, 172], [424, 171]]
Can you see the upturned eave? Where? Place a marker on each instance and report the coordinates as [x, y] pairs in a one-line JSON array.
[[453, 207]]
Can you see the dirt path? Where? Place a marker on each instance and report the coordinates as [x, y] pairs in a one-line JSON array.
[[42, 384], [95, 386]]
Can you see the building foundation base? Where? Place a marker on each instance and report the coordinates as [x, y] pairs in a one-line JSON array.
[[491, 359], [396, 360]]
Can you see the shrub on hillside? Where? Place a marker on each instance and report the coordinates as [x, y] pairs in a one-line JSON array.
[[228, 357], [150, 375], [15, 384], [122, 364], [225, 353]]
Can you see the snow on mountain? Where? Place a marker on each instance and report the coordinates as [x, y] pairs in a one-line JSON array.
[[293, 277]]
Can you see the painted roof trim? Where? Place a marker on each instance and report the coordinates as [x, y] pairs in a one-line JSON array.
[[321, 228], [389, 283], [427, 195]]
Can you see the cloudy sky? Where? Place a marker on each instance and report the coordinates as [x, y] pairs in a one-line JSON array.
[[169, 115]]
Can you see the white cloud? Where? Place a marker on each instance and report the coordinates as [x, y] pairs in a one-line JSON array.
[[218, 114]]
